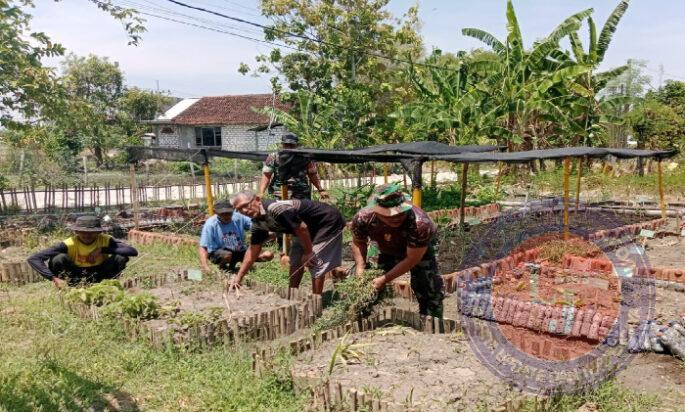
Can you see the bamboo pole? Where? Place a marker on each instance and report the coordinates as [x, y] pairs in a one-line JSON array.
[[134, 196], [385, 173], [660, 180], [416, 184], [462, 200], [580, 175], [208, 190], [286, 238], [567, 169]]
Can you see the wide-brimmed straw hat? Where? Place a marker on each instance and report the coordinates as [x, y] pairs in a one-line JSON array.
[[87, 224], [389, 200]]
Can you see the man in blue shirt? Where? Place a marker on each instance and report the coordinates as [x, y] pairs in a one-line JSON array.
[[223, 239]]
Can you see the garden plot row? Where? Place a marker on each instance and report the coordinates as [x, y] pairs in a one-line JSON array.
[[198, 314], [394, 361]]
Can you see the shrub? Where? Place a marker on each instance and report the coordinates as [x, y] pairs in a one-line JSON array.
[[103, 293]]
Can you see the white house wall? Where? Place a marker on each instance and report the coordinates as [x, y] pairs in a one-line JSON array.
[[233, 137]]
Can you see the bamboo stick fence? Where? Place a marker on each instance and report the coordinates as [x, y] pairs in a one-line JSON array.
[[263, 326]]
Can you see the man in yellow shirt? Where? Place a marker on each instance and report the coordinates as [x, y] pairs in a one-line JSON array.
[[89, 255]]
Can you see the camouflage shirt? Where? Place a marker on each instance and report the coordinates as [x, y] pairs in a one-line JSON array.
[[298, 185], [418, 230]]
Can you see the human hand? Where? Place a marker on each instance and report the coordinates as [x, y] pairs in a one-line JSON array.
[[324, 195], [206, 270], [308, 259], [379, 283], [59, 283], [94, 255]]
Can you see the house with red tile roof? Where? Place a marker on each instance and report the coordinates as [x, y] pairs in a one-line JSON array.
[[220, 122]]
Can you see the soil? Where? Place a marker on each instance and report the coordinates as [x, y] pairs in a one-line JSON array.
[[491, 241], [670, 305], [208, 299], [668, 251], [659, 375], [398, 364]]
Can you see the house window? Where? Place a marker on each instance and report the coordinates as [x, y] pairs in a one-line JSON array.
[[208, 136], [167, 130]]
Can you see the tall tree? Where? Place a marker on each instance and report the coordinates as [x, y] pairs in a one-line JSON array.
[[346, 54]]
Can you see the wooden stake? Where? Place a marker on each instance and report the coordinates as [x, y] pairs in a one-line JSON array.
[[567, 171], [580, 174], [134, 196], [660, 180], [462, 200], [385, 173]]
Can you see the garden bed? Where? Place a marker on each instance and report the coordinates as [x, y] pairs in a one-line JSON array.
[[198, 314]]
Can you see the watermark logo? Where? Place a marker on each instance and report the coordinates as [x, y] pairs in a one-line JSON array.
[[551, 310]]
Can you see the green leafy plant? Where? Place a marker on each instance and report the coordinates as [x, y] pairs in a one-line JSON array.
[[139, 306], [357, 297], [103, 293]]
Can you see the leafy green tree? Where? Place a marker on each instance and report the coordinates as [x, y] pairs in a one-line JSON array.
[[345, 61], [137, 105]]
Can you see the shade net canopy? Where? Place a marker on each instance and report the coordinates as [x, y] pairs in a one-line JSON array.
[[559, 153], [201, 156], [426, 148]]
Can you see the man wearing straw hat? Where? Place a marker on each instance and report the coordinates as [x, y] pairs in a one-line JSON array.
[[89, 255], [406, 242]]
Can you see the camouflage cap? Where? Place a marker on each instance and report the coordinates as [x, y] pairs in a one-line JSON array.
[[389, 200]]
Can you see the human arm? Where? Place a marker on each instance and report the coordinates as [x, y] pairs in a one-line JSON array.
[[117, 247], [264, 183], [413, 257], [359, 248], [250, 258], [302, 233], [313, 175], [204, 258], [38, 259]]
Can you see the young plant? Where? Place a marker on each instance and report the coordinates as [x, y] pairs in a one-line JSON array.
[[103, 293]]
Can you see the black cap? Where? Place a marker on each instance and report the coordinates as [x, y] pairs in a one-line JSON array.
[[87, 224], [223, 206], [290, 138]]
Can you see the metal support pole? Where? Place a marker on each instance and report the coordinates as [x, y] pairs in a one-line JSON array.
[[580, 175], [416, 184], [660, 180], [286, 238], [567, 171], [208, 190], [134, 196], [462, 200]]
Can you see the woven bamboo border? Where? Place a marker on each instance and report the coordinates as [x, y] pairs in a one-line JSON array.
[[18, 273], [328, 395], [262, 326]]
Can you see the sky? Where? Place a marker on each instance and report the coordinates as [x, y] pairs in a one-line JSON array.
[[191, 62]]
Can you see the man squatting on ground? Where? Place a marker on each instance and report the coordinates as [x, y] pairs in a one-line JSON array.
[[406, 242], [317, 228], [222, 241], [89, 255]]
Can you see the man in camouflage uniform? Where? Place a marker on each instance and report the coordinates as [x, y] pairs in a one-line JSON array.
[[298, 184], [406, 242]]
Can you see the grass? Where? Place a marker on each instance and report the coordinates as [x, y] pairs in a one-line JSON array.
[[54, 361], [159, 258], [626, 184], [608, 397]]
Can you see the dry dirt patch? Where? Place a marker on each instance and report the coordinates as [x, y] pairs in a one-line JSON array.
[[400, 365]]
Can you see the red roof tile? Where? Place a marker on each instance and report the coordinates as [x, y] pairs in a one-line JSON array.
[[228, 110]]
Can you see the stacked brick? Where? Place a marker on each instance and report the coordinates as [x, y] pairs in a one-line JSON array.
[[147, 238], [476, 300]]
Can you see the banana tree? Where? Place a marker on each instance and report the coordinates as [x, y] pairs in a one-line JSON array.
[[528, 89]]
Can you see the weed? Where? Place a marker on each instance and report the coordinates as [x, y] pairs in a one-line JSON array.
[[345, 353], [357, 297]]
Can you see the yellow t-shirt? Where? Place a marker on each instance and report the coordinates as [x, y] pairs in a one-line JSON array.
[[78, 251]]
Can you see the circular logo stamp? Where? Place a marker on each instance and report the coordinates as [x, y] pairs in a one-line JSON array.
[[551, 309]]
